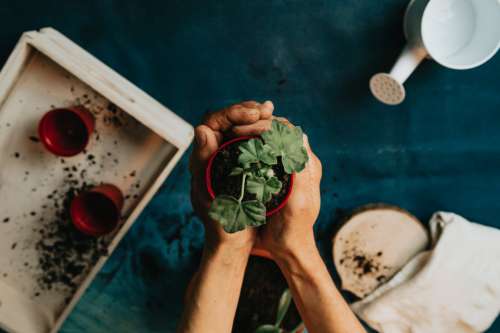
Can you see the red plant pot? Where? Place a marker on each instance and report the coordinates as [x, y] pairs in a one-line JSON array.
[[259, 252], [66, 131], [97, 212], [208, 174], [208, 181]]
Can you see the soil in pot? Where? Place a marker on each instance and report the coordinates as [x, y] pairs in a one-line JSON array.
[[262, 288], [226, 160]]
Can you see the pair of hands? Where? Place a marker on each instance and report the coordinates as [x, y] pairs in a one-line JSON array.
[[286, 231]]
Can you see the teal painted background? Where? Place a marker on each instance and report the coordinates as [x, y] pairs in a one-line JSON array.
[[439, 150]]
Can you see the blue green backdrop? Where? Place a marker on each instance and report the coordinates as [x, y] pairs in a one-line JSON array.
[[439, 150]]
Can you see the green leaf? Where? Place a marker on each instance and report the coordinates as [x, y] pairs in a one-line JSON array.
[[262, 188], [236, 171], [284, 304], [295, 161], [254, 213], [287, 142], [254, 151], [267, 329], [234, 215]]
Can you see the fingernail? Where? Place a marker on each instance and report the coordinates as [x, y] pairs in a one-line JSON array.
[[201, 138]]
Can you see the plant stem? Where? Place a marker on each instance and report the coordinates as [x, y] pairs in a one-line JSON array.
[[242, 194]]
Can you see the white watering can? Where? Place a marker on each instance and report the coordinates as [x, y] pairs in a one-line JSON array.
[[458, 34]]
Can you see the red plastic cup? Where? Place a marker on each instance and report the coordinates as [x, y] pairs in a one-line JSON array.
[[208, 174], [66, 131], [97, 212]]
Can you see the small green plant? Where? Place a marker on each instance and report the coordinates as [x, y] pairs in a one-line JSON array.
[[255, 167], [284, 304]]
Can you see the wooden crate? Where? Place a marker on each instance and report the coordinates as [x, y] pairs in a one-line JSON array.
[[136, 144]]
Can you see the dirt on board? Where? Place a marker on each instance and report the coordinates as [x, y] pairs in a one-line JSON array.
[[53, 251], [262, 288], [64, 252], [226, 160]]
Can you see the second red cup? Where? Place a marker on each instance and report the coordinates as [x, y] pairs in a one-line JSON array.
[[66, 131], [97, 212]]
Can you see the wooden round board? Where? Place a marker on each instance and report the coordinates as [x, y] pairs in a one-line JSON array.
[[373, 244]]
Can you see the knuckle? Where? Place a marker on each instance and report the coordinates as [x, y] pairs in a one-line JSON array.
[[199, 128], [221, 121]]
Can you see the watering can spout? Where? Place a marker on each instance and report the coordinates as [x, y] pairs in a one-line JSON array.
[[388, 87]]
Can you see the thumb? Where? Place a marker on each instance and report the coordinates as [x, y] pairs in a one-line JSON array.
[[206, 145]]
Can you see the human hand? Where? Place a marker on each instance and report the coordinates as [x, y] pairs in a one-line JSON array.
[[291, 229], [246, 118]]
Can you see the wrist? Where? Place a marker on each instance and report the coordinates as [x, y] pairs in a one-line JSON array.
[[295, 248], [298, 258], [227, 252], [217, 240]]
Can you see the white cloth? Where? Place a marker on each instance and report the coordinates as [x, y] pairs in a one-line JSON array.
[[453, 288]]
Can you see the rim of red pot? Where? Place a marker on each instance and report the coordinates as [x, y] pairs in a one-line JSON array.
[[108, 192], [54, 148], [258, 252], [208, 174]]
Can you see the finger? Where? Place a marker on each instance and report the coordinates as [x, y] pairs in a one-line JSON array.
[[250, 104], [206, 145], [206, 142], [233, 115], [219, 136], [266, 110], [256, 128]]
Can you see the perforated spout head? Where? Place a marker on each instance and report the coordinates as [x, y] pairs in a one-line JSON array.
[[387, 89]]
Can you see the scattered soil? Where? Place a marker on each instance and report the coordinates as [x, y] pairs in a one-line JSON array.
[[64, 252], [365, 265], [262, 288], [226, 160], [65, 255]]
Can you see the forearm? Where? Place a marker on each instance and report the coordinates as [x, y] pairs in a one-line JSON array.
[[320, 304], [214, 292]]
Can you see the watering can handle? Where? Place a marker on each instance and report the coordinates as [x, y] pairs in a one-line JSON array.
[[388, 87]]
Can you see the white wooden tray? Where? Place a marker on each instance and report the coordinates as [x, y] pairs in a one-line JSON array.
[[136, 144]]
